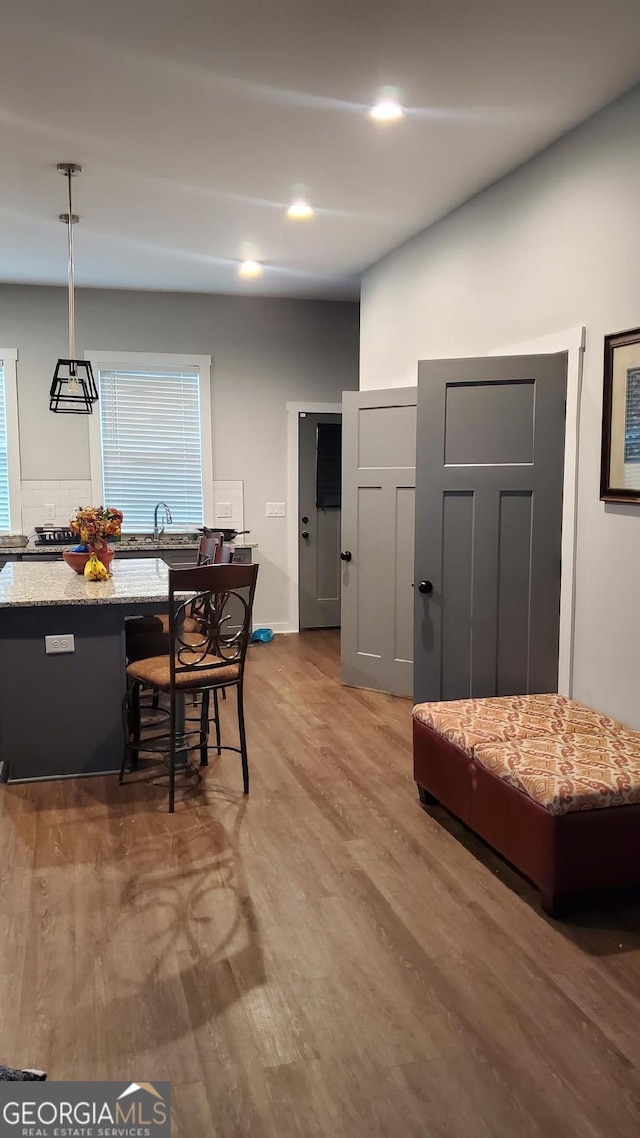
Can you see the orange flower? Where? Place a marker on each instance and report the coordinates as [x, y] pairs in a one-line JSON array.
[[95, 523]]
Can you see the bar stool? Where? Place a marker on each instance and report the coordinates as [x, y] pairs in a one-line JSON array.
[[149, 635], [209, 660]]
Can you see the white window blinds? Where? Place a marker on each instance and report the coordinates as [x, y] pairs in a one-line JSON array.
[[5, 513], [151, 440]]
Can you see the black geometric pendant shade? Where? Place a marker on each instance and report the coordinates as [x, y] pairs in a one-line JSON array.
[[73, 388]]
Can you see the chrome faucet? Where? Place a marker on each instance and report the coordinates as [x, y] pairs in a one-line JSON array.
[[159, 530]]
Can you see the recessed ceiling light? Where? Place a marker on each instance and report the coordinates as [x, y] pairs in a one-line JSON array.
[[388, 107], [300, 210], [249, 269]]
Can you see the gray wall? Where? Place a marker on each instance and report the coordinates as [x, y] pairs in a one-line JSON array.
[[264, 352], [553, 246]]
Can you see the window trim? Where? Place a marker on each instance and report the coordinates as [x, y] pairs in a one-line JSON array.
[[108, 361], [9, 358]]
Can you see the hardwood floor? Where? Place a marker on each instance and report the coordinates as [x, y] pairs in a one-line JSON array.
[[323, 958]]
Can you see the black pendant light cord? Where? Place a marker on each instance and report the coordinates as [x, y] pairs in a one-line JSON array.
[[70, 276]]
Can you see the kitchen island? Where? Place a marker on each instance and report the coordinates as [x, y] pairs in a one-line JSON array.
[[61, 712]]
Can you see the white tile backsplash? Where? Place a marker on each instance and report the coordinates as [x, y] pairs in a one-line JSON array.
[[64, 495], [231, 493]]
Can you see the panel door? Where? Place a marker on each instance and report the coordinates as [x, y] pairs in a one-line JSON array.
[[490, 460], [319, 519], [378, 463]]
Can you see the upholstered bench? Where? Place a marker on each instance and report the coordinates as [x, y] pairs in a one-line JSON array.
[[552, 785]]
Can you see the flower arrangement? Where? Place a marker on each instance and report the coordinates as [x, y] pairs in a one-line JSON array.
[[94, 524]]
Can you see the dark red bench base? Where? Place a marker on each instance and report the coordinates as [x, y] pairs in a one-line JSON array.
[[564, 856]]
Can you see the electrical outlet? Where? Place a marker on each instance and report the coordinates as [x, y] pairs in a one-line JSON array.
[[50, 512], [56, 645], [223, 510], [276, 510]]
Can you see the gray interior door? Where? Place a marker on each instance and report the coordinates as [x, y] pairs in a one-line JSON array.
[[378, 505], [319, 497], [490, 455]]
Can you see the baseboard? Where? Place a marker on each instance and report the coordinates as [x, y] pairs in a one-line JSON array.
[[278, 627], [283, 630]]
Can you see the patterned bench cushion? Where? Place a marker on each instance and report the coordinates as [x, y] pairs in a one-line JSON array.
[[468, 722], [564, 773]]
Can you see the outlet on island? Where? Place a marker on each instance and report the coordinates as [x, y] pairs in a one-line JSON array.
[[57, 645]]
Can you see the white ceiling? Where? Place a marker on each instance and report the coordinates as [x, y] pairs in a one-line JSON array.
[[193, 120]]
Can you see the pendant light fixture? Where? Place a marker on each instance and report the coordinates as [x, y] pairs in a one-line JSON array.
[[73, 388]]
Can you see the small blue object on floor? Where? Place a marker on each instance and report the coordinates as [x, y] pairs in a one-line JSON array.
[[261, 635]]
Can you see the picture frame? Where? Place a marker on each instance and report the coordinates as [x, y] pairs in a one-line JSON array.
[[620, 465]]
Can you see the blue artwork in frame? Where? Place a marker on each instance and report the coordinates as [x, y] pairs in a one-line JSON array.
[[632, 416], [620, 469]]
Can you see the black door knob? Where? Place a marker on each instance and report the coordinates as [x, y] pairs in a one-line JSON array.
[[425, 587], [345, 555], [305, 533], [305, 521]]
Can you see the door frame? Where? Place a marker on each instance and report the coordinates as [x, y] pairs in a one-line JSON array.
[[293, 521], [573, 342]]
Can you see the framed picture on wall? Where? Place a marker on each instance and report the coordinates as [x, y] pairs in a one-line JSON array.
[[620, 472]]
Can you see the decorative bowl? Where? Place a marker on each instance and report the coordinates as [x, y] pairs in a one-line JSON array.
[[77, 561]]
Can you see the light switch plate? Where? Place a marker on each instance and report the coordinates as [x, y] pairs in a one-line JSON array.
[[57, 645], [228, 504], [276, 510]]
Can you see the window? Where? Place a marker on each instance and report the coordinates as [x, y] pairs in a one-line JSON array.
[[151, 439], [10, 508], [5, 511], [329, 466]]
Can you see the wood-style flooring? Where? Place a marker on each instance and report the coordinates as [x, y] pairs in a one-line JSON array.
[[322, 958]]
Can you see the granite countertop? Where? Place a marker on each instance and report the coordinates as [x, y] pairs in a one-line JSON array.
[[135, 581], [136, 545], [124, 546]]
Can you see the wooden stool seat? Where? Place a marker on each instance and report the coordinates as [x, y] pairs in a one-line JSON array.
[[155, 672]]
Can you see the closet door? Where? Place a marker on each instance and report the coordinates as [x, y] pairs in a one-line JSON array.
[[378, 519], [490, 454]]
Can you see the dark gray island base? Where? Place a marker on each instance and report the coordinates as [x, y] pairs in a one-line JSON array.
[[61, 714]]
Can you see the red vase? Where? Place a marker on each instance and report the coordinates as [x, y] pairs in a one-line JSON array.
[[104, 554]]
